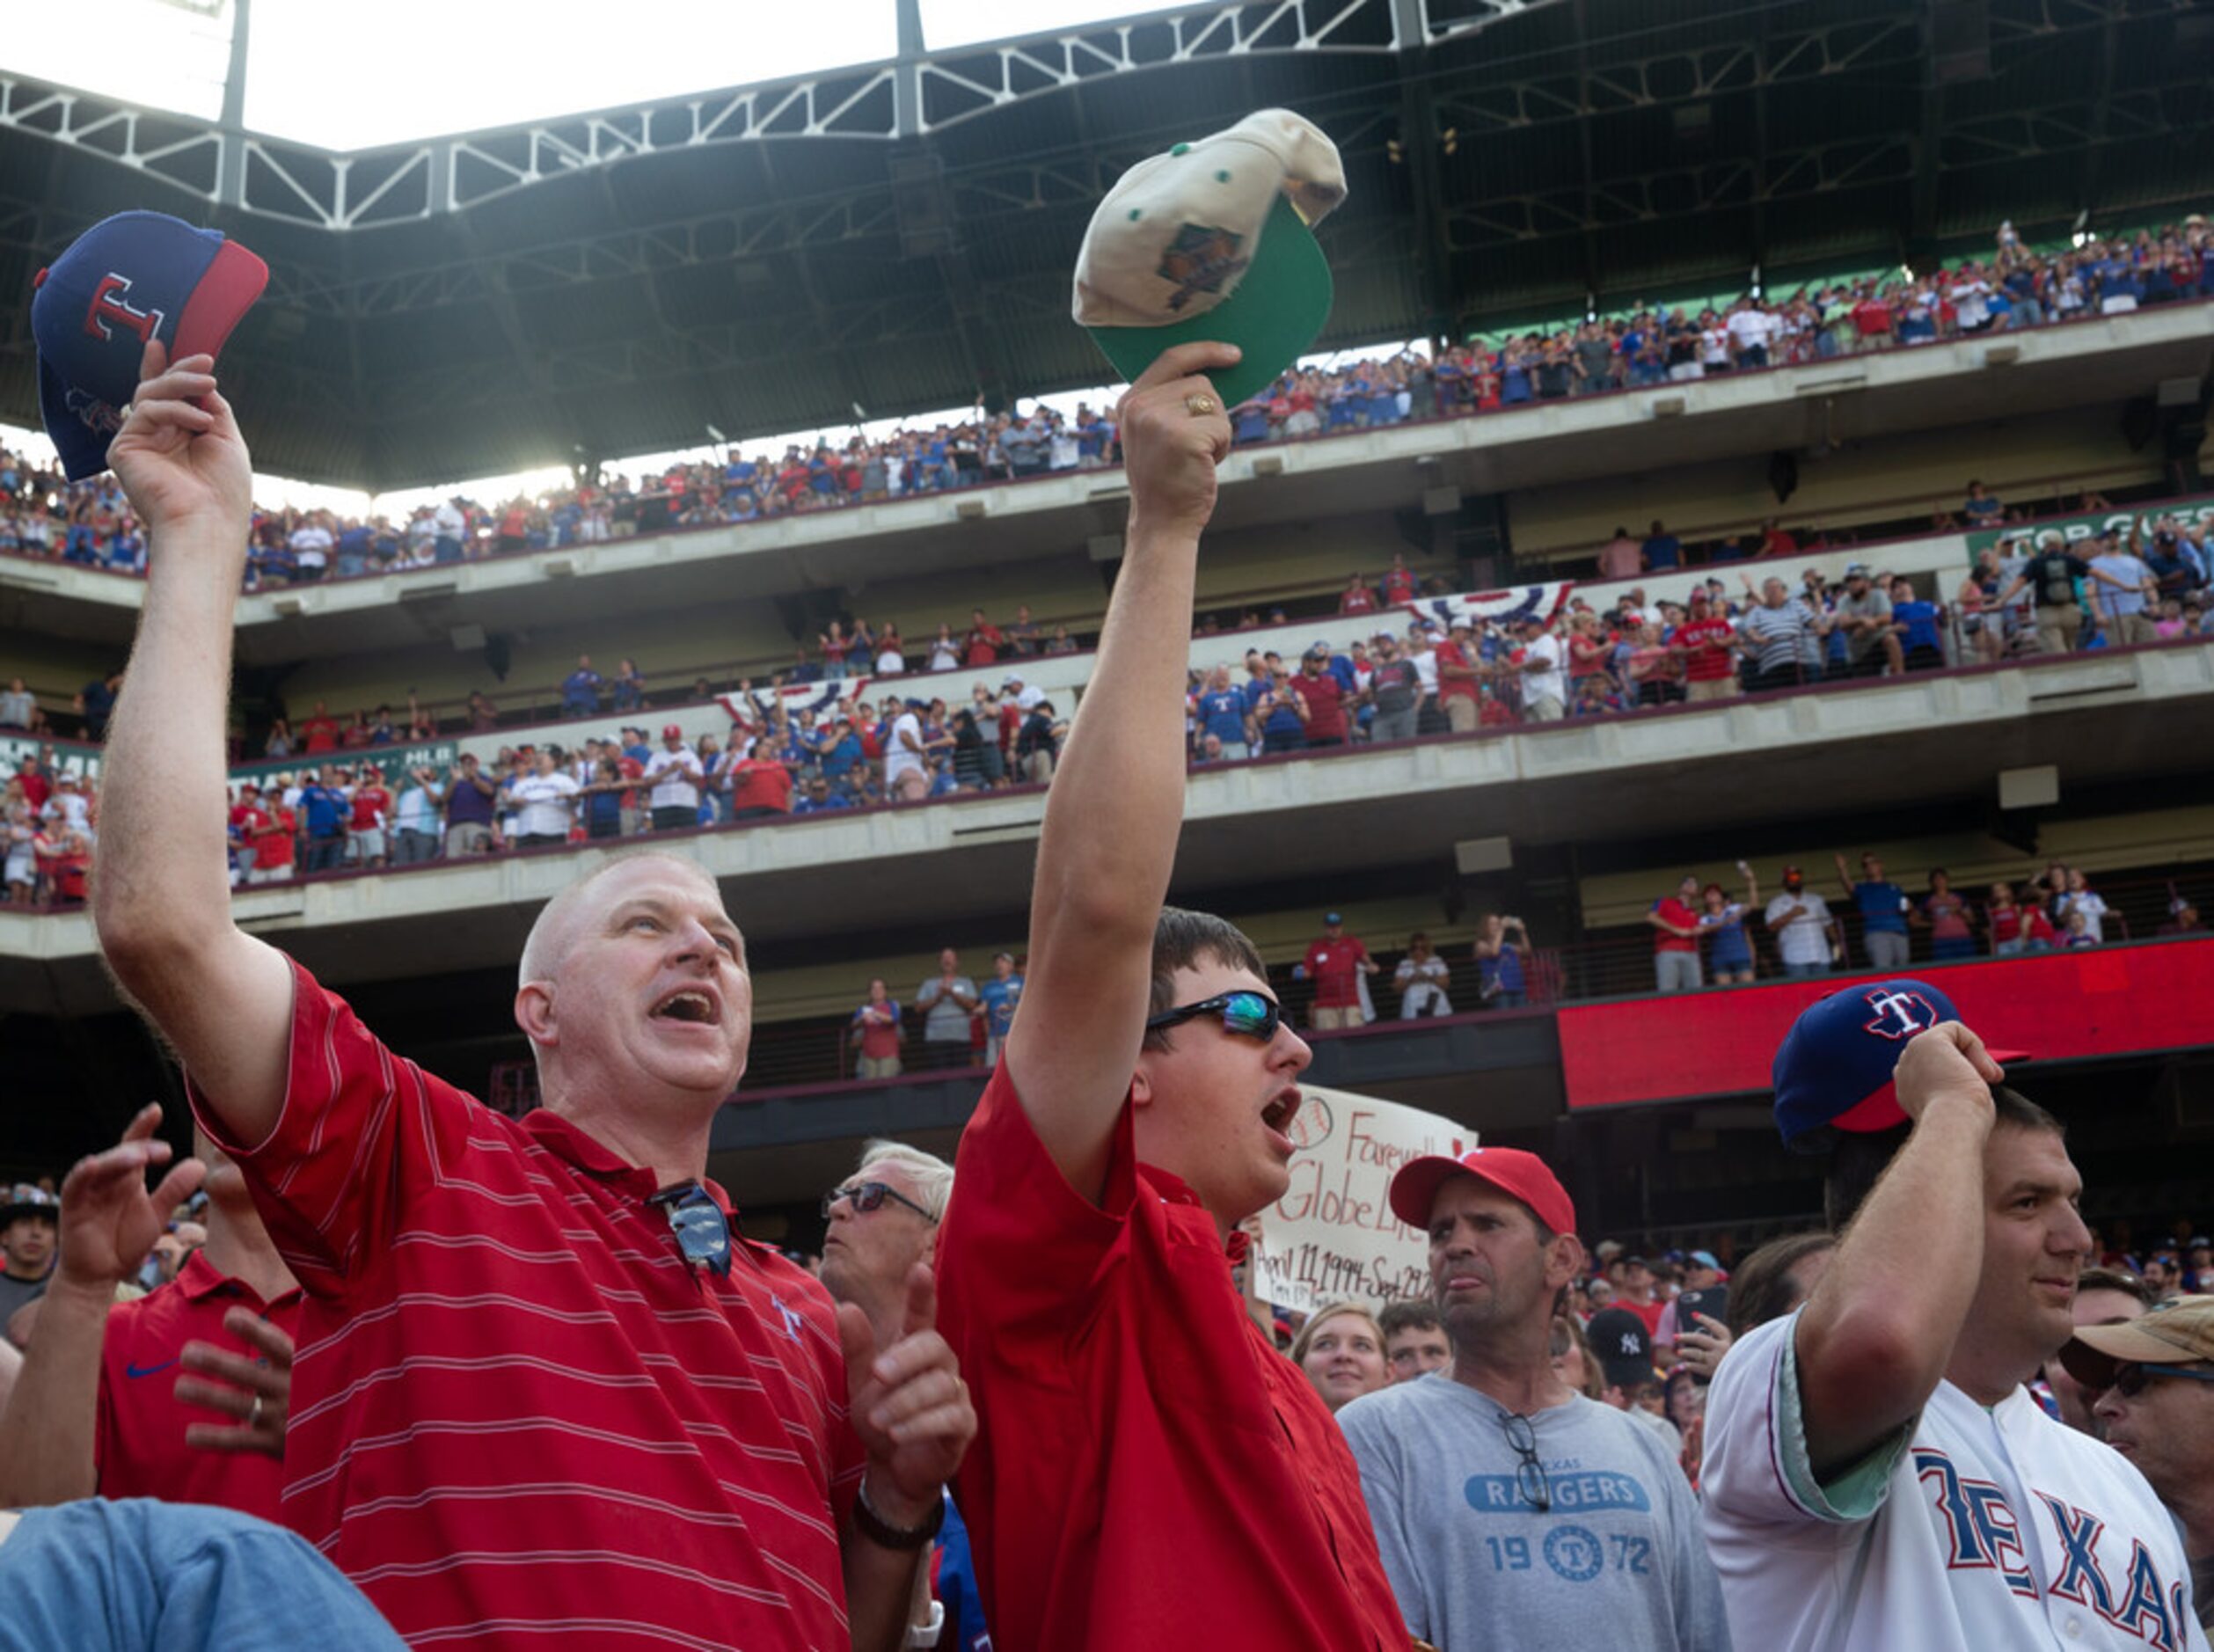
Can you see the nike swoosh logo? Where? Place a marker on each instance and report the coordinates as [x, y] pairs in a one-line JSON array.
[[135, 1370]]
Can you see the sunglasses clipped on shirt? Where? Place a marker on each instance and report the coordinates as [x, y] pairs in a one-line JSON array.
[[1248, 1014], [870, 1196]]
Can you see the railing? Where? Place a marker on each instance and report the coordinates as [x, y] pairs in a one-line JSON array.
[[792, 1058], [389, 756]]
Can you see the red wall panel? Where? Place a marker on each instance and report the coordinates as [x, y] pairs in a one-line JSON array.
[[2102, 1001]]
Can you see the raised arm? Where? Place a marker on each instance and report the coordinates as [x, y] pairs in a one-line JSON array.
[[1876, 1336], [161, 899], [1117, 802], [109, 1221]]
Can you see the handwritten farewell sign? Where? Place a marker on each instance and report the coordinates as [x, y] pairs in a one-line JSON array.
[[1332, 1235]]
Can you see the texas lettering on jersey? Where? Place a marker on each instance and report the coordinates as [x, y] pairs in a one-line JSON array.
[[1985, 1536]]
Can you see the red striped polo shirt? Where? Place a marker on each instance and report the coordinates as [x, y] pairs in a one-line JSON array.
[[139, 1444], [1151, 1471], [519, 1419]]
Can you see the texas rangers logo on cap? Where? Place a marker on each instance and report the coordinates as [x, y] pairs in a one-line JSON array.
[[125, 282], [1834, 1069], [1899, 1014]]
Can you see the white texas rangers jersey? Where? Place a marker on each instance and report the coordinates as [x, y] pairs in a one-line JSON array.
[[1973, 1530]]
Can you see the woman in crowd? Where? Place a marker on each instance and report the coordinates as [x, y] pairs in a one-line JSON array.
[[18, 864], [1572, 1358], [628, 688], [1341, 1351], [2073, 895], [891, 658], [1499, 962], [1947, 916], [1729, 954], [279, 743], [1421, 978], [944, 652], [1982, 623]]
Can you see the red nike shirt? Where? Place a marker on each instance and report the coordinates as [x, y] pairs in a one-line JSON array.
[[138, 1446]]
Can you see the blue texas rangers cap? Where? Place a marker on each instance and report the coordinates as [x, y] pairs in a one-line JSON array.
[[1833, 1070], [128, 280]]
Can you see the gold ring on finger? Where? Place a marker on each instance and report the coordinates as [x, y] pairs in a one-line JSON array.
[[254, 1417], [1199, 406]]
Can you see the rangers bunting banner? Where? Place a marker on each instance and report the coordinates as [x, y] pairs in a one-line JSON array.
[[1497, 608]]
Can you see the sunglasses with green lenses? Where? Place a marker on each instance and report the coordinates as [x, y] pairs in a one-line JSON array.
[[1248, 1014]]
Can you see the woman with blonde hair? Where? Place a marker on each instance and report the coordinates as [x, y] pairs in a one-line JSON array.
[[1341, 1348]]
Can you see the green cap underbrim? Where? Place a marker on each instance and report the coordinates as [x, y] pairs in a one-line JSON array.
[[1276, 312]]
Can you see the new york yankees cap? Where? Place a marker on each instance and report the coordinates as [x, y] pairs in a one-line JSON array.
[[128, 280], [1833, 1070], [1623, 1347], [1213, 241]]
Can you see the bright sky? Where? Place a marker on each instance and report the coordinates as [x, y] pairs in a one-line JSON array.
[[343, 76]]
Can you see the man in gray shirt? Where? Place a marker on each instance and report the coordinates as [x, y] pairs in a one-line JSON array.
[[946, 999], [1863, 614], [1509, 1509]]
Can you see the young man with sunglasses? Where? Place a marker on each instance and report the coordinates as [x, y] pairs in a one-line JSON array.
[[2152, 1383], [1511, 1509], [1154, 1473], [670, 1434], [1876, 1473]]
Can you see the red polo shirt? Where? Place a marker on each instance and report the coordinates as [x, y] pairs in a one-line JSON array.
[[1151, 1472], [519, 1419], [1672, 910], [139, 1445], [1335, 966]]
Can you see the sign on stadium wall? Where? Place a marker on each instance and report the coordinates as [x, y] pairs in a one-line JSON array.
[[393, 761], [1332, 1235], [2192, 513]]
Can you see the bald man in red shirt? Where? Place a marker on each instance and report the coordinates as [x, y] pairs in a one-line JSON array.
[[547, 1396]]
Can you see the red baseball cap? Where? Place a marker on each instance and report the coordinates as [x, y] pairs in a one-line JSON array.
[[1524, 1175], [673, 731]]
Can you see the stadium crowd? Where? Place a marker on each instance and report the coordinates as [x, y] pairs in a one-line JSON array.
[[525, 1381], [90, 523], [351, 805]]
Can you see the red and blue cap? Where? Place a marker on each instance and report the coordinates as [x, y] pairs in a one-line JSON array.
[[126, 281], [1834, 1069]]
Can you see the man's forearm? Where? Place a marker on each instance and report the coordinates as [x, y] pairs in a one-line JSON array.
[[47, 1431], [1118, 794], [1909, 1264], [880, 1592], [161, 871]]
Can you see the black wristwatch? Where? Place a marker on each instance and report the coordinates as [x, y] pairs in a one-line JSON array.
[[884, 1534]]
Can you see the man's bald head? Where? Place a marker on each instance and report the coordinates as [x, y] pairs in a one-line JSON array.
[[556, 927]]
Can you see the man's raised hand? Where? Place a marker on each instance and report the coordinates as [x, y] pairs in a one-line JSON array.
[[178, 455], [1945, 1059], [909, 1404], [1170, 449], [109, 1220]]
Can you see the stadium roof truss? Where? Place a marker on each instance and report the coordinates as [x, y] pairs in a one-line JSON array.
[[897, 236]]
